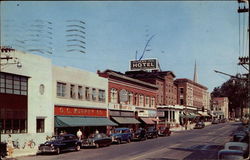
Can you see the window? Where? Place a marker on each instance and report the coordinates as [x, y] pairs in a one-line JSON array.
[[113, 95], [61, 89], [130, 98], [40, 125], [72, 91], [87, 93], [101, 95], [153, 102], [182, 101], [181, 90], [13, 84], [147, 101], [141, 100], [94, 94], [80, 92]]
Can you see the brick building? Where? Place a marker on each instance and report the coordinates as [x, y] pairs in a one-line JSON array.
[[219, 107]]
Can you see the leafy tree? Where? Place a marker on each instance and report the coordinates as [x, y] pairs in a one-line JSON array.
[[236, 91]]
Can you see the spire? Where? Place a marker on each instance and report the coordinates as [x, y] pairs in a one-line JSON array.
[[195, 73]]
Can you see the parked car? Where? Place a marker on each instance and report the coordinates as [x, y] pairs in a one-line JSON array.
[[121, 134], [152, 132], [240, 136], [230, 155], [215, 121], [223, 120], [97, 140], [199, 125], [3, 150], [57, 144], [237, 146], [164, 131], [139, 134]]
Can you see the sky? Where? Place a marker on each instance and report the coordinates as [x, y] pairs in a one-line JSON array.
[[184, 32]]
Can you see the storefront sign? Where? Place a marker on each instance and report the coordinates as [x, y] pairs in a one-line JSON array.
[[147, 64], [127, 107], [143, 113], [152, 113], [114, 106], [127, 114], [73, 111]]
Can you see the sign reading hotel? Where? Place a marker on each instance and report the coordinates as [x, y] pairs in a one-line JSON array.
[[146, 64]]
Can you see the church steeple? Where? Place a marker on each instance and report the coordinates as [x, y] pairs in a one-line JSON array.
[[195, 73]]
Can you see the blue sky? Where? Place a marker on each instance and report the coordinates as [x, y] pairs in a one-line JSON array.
[[207, 32]]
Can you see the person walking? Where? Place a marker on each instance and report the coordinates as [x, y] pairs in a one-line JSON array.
[[10, 147], [79, 134]]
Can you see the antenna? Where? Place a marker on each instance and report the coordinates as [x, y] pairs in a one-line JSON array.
[[145, 48]]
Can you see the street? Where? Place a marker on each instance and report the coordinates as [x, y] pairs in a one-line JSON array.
[[193, 144]]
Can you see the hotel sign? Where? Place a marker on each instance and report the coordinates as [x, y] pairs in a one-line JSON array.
[[147, 64]]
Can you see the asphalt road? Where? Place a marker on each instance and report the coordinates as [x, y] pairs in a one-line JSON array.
[[193, 144]]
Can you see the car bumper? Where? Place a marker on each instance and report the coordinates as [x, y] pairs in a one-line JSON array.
[[46, 149]]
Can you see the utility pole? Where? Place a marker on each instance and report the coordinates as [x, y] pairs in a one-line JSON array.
[[245, 60]]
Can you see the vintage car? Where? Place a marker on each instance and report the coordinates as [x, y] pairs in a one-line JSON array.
[[97, 140], [240, 136], [230, 155], [164, 131], [57, 144], [152, 132], [121, 134], [139, 134], [237, 146], [199, 125], [3, 150], [215, 121]]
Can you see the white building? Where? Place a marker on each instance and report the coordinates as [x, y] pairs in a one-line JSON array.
[[26, 97]]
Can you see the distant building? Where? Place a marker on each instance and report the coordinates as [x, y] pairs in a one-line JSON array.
[[220, 107]]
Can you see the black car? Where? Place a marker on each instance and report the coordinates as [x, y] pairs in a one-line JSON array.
[[97, 140], [3, 150], [152, 132], [60, 143], [164, 131], [139, 134], [199, 125]]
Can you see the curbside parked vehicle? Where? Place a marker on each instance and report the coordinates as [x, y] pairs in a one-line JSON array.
[[152, 132], [3, 150], [121, 134], [97, 140], [57, 144], [164, 131], [199, 125], [139, 134]]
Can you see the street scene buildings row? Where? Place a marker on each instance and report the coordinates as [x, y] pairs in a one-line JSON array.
[[41, 99]]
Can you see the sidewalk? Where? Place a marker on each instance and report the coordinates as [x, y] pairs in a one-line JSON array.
[[190, 127], [23, 152]]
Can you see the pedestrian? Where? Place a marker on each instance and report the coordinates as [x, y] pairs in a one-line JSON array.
[[10, 147], [79, 134], [96, 131]]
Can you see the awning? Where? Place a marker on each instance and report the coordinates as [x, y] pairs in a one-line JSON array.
[[77, 121], [148, 120], [126, 120]]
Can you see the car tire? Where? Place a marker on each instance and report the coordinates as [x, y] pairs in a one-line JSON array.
[[119, 141], [128, 140], [58, 151], [97, 145], [78, 147]]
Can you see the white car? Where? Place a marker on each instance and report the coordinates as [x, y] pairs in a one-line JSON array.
[[240, 146]]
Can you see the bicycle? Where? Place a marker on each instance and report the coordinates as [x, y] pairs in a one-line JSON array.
[[29, 143]]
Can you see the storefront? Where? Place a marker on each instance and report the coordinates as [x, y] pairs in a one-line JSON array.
[[70, 119], [147, 117]]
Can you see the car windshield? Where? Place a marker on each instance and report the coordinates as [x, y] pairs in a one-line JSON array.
[[57, 138], [95, 136], [118, 131], [151, 129]]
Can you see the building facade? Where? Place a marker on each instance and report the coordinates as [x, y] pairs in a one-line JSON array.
[[130, 100], [80, 101], [26, 97], [220, 107]]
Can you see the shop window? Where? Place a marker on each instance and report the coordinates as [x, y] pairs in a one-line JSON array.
[[94, 94], [87, 93], [101, 95], [61, 89], [40, 125]]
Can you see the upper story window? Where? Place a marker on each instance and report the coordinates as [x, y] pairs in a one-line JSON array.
[[72, 91], [61, 89], [101, 95], [130, 98], [147, 101], [181, 90], [80, 92], [153, 102], [13, 84], [113, 95], [141, 100], [94, 94], [87, 93]]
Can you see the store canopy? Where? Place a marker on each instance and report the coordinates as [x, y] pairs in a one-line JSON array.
[[126, 120], [148, 120], [77, 121]]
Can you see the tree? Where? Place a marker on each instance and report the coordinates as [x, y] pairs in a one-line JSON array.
[[236, 91]]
